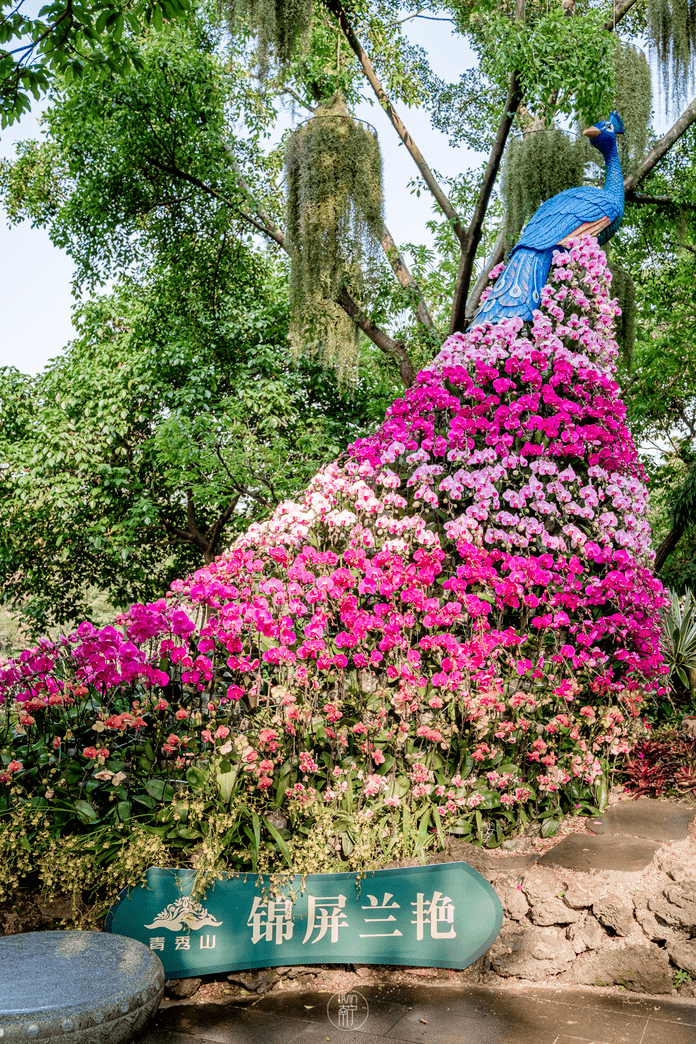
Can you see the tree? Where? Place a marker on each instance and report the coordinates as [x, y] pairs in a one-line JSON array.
[[161, 432], [659, 377], [132, 166], [67, 39]]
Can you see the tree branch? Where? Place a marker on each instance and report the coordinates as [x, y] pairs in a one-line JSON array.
[[497, 255], [405, 277], [641, 198], [293, 94], [197, 537], [473, 233], [382, 340], [620, 9], [220, 524], [336, 8], [667, 546], [662, 148]]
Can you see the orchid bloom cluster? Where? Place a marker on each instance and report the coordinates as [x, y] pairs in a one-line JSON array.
[[461, 613]]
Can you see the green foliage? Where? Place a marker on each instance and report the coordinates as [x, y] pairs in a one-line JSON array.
[[334, 222], [537, 166], [633, 100], [624, 290], [657, 246], [95, 789], [565, 64], [166, 428], [672, 31], [680, 641], [70, 40]]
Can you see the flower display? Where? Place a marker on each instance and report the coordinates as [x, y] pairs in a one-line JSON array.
[[456, 624]]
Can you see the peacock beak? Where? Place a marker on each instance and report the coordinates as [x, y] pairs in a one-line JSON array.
[[592, 132]]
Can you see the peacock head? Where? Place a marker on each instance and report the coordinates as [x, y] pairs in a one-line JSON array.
[[603, 134]]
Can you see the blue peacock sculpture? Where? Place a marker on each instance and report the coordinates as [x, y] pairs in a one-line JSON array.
[[577, 211]]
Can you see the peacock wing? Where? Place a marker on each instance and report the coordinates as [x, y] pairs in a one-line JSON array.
[[570, 213]]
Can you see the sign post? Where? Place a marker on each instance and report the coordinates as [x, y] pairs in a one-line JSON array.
[[445, 915]]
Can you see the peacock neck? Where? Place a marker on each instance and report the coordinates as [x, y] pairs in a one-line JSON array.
[[613, 178]]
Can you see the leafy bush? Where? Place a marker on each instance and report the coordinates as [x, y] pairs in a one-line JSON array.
[[454, 630], [680, 642]]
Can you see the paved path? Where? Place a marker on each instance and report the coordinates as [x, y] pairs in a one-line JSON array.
[[627, 837], [434, 1015]]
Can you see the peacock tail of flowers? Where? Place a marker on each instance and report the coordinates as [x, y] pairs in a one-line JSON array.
[[460, 613]]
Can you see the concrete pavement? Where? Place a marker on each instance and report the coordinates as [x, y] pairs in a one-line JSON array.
[[433, 1015]]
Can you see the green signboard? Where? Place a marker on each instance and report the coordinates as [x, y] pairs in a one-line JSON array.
[[444, 916]]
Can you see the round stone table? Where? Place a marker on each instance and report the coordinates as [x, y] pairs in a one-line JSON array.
[[76, 987]]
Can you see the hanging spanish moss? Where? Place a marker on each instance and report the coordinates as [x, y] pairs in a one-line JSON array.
[[624, 290], [334, 221], [282, 27], [672, 31], [633, 99], [538, 166]]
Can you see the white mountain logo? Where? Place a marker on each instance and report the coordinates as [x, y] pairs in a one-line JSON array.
[[184, 913]]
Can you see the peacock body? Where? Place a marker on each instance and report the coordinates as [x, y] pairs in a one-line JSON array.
[[577, 211]]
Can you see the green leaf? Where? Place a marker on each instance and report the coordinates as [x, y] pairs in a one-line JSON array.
[[86, 812], [196, 778], [225, 782], [279, 841], [160, 790], [550, 826]]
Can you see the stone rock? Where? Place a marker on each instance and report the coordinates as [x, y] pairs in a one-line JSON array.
[[688, 726], [654, 928], [624, 856], [673, 864], [641, 969], [677, 905], [77, 987], [587, 934], [181, 989], [259, 980], [531, 953], [683, 954], [540, 885], [615, 914], [577, 896], [514, 903], [554, 911], [657, 820]]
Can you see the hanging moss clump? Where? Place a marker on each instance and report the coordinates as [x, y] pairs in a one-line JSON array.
[[672, 31], [334, 223], [633, 100], [281, 27], [538, 166], [624, 290]]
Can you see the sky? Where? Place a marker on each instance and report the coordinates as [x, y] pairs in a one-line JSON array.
[[35, 277]]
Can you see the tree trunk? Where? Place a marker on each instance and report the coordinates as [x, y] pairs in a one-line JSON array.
[[667, 546]]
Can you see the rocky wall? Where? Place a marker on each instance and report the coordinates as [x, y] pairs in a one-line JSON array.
[[634, 930]]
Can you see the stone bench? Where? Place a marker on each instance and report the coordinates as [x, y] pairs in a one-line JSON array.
[[76, 987]]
